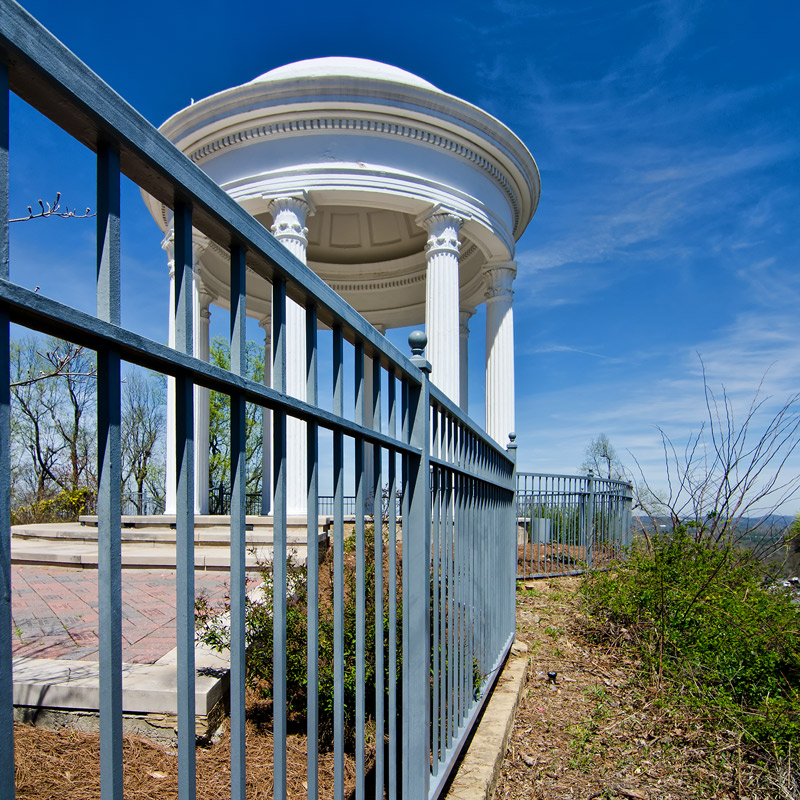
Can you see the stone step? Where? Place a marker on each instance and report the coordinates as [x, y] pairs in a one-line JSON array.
[[204, 535]]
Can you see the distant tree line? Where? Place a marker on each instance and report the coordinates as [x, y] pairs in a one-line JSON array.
[[54, 423]]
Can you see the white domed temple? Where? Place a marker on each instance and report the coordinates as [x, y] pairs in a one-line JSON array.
[[406, 200]]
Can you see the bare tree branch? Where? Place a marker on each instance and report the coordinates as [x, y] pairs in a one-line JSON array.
[[731, 477], [61, 360], [54, 210]]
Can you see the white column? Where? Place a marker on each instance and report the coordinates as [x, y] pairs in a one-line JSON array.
[[266, 423], [289, 217], [200, 333], [441, 298], [170, 488], [500, 351], [463, 361]]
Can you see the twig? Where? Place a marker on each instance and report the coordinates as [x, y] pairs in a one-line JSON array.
[[54, 210]]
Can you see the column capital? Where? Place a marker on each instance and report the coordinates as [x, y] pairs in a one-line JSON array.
[[443, 225], [498, 279], [464, 315], [265, 323], [168, 242], [289, 214], [298, 202], [168, 246]]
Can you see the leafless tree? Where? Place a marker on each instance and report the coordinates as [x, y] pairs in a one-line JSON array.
[[729, 479], [143, 427], [601, 458], [53, 386]]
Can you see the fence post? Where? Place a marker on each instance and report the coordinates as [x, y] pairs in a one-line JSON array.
[[511, 449], [416, 585], [590, 519]]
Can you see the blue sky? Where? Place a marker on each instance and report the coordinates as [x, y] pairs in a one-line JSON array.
[[666, 136]]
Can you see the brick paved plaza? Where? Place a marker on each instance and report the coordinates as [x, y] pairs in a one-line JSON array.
[[55, 611]]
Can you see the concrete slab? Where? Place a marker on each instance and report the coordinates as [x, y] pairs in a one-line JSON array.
[[476, 775], [146, 688]]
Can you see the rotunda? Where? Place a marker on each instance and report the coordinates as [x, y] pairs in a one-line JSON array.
[[406, 200]]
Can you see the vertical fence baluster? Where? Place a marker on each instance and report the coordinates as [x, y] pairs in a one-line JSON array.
[[416, 591], [312, 560], [360, 598], [6, 680], [438, 536], [338, 567], [279, 544], [377, 518], [109, 501], [392, 588], [184, 521], [447, 666], [238, 545]]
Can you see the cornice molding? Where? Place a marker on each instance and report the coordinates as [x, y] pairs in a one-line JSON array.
[[377, 285], [355, 124]]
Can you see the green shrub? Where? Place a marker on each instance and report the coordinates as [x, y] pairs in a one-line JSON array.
[[710, 627], [66, 506], [213, 630]]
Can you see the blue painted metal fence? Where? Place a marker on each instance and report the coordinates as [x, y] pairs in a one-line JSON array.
[[567, 524], [454, 540]]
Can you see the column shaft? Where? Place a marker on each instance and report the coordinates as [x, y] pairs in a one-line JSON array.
[[289, 216], [463, 332], [170, 482], [442, 300], [266, 423], [202, 396], [500, 352]]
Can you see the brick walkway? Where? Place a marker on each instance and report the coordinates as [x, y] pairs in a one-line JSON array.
[[54, 611]]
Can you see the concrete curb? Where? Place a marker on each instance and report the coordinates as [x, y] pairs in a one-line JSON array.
[[477, 773]]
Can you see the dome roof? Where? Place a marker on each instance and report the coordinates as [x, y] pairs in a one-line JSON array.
[[343, 67]]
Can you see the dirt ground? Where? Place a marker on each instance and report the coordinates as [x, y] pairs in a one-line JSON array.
[[590, 732], [594, 731]]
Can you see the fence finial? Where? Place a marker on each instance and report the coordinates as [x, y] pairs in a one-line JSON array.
[[511, 447], [417, 340]]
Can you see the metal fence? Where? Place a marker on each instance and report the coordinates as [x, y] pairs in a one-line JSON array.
[[219, 501], [140, 503], [448, 563], [567, 524]]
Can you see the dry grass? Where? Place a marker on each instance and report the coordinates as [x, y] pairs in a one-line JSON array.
[[599, 731]]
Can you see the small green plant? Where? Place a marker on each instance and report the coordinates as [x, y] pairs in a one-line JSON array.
[[710, 630], [212, 629]]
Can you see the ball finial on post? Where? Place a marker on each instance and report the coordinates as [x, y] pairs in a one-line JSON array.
[[417, 340]]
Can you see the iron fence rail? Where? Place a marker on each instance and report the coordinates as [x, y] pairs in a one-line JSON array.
[[447, 561], [567, 524]]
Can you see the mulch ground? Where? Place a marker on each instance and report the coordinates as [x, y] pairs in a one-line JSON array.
[[66, 765], [593, 731], [597, 731]]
